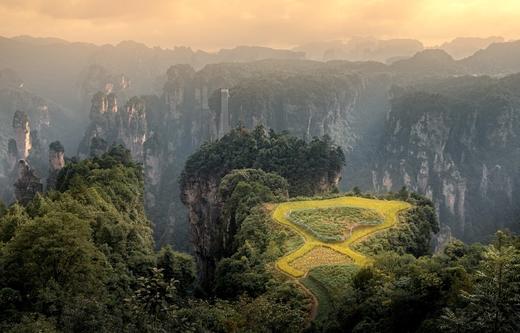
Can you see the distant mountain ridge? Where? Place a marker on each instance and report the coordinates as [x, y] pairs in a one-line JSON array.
[[390, 50], [463, 47], [54, 68], [51, 67]]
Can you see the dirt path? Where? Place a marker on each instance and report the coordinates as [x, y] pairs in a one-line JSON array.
[[314, 300], [388, 209]]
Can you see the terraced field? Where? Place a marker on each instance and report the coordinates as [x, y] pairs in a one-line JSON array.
[[314, 219]]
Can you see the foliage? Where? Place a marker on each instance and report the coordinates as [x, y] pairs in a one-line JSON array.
[[258, 243], [282, 309], [333, 278], [81, 259], [70, 258], [334, 224], [493, 304], [178, 267], [328, 284], [303, 164], [266, 303], [463, 289], [413, 235], [241, 191]]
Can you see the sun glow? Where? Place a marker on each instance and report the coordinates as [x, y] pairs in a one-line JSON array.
[[212, 24]]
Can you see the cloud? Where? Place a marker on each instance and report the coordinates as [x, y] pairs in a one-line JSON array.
[[87, 9], [214, 23]]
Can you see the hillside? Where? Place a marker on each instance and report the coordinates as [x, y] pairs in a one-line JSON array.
[[82, 258], [335, 234]]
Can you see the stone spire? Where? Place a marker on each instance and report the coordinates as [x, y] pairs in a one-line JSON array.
[[56, 163], [22, 134]]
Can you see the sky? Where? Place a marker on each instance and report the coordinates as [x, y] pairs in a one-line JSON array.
[[214, 24]]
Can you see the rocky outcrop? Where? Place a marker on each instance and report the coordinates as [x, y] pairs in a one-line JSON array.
[[56, 163], [204, 210], [460, 148], [132, 127], [27, 183], [22, 132], [114, 125], [306, 98], [26, 147]]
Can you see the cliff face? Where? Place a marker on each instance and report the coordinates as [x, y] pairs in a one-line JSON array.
[[32, 122], [305, 105], [22, 134], [25, 152], [460, 147], [347, 101], [56, 163], [204, 214], [115, 125], [306, 98]]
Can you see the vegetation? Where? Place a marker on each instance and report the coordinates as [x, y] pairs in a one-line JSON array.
[[333, 278], [463, 289], [412, 236], [316, 262], [82, 259], [334, 224], [318, 256], [386, 208], [303, 164], [69, 257], [328, 284]]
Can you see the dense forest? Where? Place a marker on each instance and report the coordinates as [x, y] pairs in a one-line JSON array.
[[82, 258]]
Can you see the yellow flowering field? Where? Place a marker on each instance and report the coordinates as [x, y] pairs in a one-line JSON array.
[[388, 209], [319, 256]]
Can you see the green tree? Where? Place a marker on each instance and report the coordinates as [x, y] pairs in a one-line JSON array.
[[50, 261], [179, 267], [494, 303]]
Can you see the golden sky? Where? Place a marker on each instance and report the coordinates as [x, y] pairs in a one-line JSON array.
[[212, 24]]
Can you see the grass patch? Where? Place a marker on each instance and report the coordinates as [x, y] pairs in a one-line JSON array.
[[292, 242], [318, 256], [333, 278], [334, 224]]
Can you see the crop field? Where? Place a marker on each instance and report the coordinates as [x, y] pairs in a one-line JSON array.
[[319, 256], [334, 224], [324, 267], [387, 210]]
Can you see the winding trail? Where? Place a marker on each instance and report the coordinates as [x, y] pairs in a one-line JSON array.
[[388, 209]]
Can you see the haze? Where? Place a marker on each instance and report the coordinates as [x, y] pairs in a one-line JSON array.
[[212, 24]]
